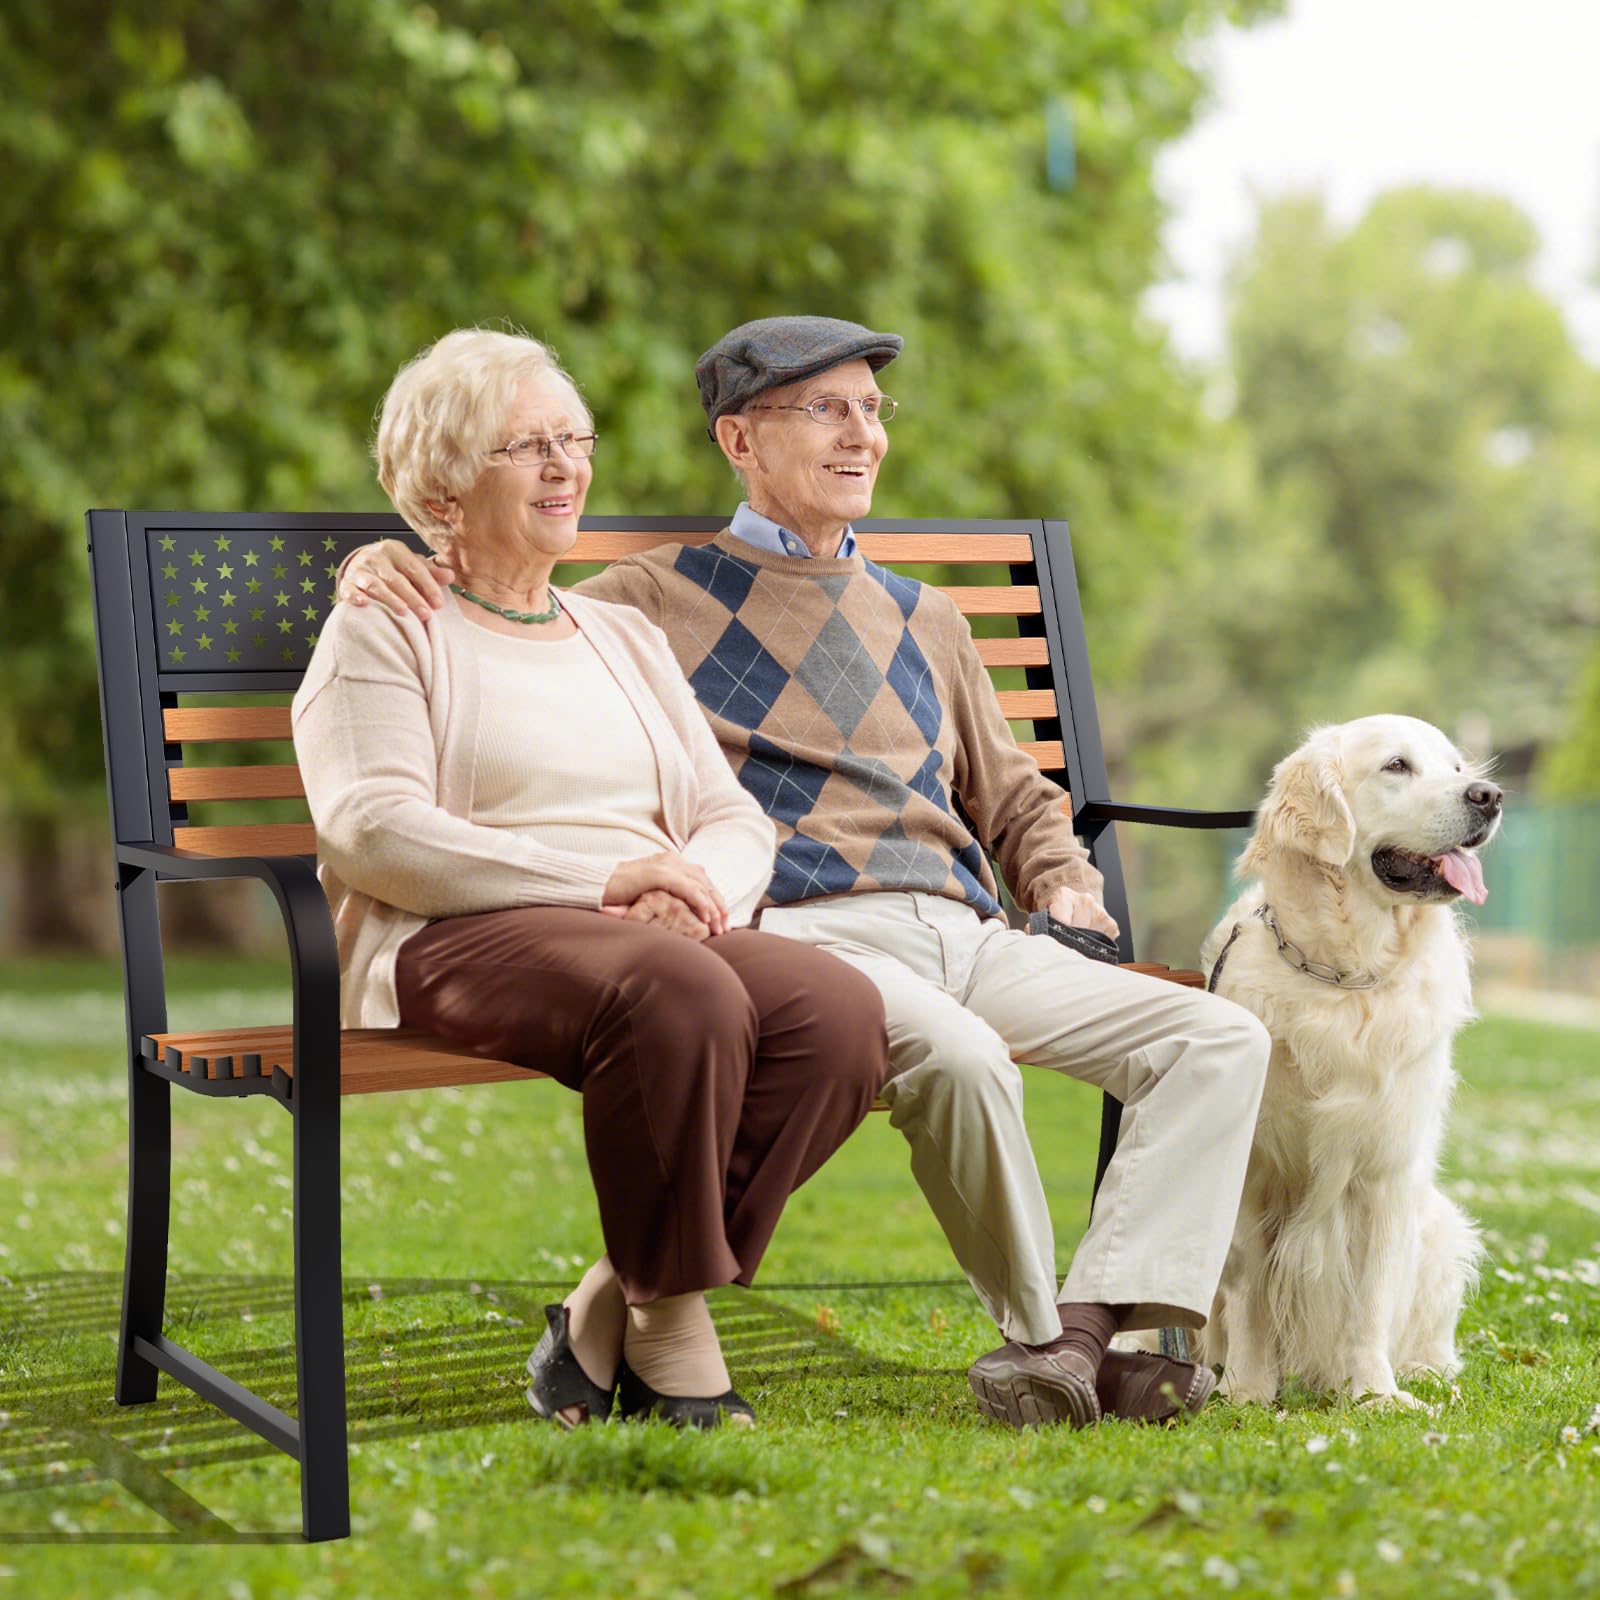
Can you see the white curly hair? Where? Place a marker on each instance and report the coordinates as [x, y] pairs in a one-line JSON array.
[[446, 410]]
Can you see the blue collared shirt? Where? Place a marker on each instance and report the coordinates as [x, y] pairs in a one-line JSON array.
[[765, 534]]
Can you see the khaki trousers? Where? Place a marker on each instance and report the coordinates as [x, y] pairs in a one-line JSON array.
[[968, 997]]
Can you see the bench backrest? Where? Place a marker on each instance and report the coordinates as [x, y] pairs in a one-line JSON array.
[[205, 623]]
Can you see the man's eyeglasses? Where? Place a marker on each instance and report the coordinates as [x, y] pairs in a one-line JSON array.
[[834, 409], [529, 452]]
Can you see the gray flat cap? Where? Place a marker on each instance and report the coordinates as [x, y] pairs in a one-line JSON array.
[[778, 350]]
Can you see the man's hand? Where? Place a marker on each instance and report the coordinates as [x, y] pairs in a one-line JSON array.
[[396, 577], [1079, 910], [681, 879], [666, 911]]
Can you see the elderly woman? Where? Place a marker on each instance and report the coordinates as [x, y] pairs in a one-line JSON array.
[[533, 846]]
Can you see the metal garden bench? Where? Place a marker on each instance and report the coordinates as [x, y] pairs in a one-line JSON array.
[[201, 622]]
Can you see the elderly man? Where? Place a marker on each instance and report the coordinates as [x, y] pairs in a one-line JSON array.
[[852, 703]]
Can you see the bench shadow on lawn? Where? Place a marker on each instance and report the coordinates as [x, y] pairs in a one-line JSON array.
[[451, 1373]]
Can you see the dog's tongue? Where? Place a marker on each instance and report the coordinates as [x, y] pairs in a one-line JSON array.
[[1463, 873]]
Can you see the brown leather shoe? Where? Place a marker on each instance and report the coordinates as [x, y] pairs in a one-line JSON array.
[[1140, 1387], [1031, 1385]]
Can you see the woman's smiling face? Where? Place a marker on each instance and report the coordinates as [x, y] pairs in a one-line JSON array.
[[511, 514]]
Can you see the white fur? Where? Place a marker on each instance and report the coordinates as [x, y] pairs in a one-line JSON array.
[[1348, 1264]]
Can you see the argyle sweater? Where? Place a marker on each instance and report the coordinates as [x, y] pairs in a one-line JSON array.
[[852, 704]]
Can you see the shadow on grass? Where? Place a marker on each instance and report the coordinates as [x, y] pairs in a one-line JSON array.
[[454, 1371]]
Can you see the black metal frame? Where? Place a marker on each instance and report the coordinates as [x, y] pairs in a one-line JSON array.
[[134, 693]]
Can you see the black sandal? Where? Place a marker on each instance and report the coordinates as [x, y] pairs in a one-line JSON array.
[[636, 1400], [559, 1380]]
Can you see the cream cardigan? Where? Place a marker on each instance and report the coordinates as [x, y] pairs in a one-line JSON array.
[[386, 729]]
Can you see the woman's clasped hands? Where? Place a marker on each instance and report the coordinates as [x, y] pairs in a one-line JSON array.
[[674, 894]]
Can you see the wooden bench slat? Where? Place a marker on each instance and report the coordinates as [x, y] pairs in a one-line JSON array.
[[371, 1060], [219, 724], [1049, 753], [238, 783], [1027, 703], [249, 839], [1000, 600], [1013, 652], [952, 549]]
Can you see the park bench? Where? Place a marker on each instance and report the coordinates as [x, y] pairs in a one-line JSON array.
[[202, 622]]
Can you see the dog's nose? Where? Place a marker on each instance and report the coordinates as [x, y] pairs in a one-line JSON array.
[[1485, 797]]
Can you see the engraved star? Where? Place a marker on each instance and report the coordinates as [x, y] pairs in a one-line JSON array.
[[224, 570], [285, 625], [258, 640], [288, 652], [172, 597], [331, 570], [304, 558], [276, 543], [202, 614], [169, 571], [279, 570], [176, 654], [168, 542], [280, 598], [257, 613], [224, 542], [197, 558], [204, 641], [311, 640], [227, 597], [308, 586], [252, 584], [327, 544], [229, 625], [199, 585], [250, 558], [175, 626], [310, 613], [233, 655]]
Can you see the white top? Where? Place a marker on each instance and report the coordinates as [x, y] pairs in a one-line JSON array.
[[562, 757], [387, 724]]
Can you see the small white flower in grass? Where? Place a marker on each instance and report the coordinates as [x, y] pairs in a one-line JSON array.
[[1593, 1424], [1559, 1316], [1095, 1504], [1345, 1584], [1389, 1551], [1223, 1572], [1569, 1434], [1025, 1498], [423, 1520], [1316, 1444], [1436, 1438], [487, 1461]]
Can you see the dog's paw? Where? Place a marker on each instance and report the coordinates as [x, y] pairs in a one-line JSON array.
[[1398, 1399], [1240, 1391]]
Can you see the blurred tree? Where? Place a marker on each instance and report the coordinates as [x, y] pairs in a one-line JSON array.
[[226, 223], [1397, 512]]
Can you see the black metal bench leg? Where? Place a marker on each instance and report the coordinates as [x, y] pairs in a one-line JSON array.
[[319, 1315], [144, 1282]]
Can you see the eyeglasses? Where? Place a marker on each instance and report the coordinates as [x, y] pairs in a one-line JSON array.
[[528, 452], [834, 409]]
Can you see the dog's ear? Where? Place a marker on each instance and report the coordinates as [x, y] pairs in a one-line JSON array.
[[1305, 812]]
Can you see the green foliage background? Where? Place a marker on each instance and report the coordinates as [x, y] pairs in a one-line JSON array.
[[227, 223]]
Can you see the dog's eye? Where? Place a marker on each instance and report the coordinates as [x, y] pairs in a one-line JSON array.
[[1399, 764]]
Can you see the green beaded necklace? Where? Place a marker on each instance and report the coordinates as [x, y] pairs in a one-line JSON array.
[[512, 616]]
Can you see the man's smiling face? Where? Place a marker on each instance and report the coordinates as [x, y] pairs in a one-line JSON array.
[[806, 474]]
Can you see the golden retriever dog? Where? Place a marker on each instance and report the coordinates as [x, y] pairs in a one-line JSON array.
[[1348, 1265]]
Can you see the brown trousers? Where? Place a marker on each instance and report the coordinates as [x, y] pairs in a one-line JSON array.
[[716, 1077]]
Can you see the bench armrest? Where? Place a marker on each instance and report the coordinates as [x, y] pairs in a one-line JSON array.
[[1161, 816], [313, 951]]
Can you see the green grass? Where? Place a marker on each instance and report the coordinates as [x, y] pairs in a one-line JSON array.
[[871, 1471]]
